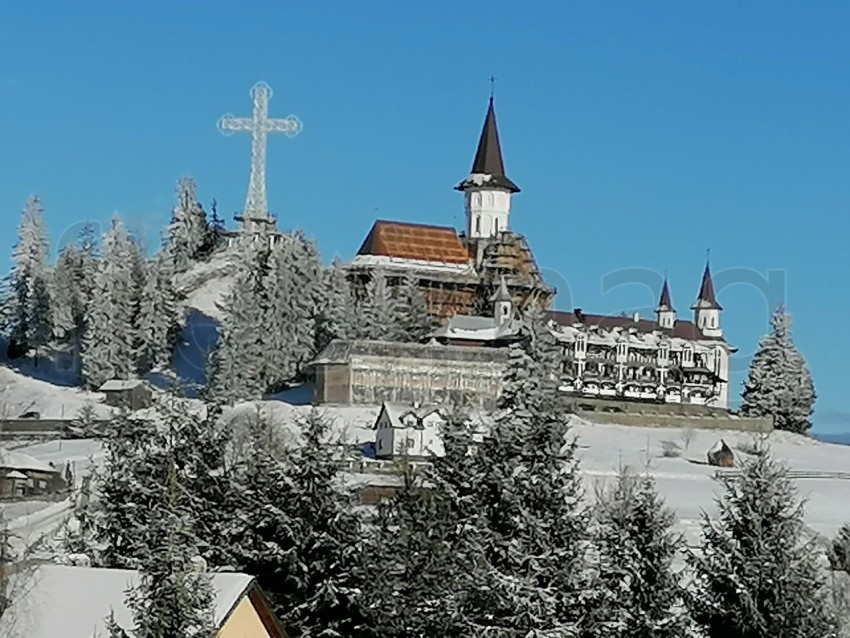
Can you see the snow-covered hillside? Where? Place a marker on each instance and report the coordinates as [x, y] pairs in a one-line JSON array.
[[20, 393], [204, 285]]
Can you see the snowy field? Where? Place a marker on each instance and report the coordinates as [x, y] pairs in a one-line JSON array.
[[19, 394]]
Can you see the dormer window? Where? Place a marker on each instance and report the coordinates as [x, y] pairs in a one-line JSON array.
[[688, 355], [663, 351], [581, 343]]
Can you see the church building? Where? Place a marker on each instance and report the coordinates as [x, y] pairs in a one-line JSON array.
[[459, 273], [478, 283]]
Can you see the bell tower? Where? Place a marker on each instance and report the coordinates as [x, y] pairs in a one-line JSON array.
[[487, 190], [706, 309]]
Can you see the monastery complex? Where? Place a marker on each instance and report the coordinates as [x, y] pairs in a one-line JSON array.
[[477, 283]]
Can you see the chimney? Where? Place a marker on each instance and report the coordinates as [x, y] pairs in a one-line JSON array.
[[636, 317]]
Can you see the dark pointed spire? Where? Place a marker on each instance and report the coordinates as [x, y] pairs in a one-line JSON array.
[[707, 298], [488, 157], [665, 302]]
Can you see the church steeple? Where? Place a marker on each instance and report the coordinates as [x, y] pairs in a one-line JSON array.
[[706, 309], [665, 314], [502, 303], [488, 190]]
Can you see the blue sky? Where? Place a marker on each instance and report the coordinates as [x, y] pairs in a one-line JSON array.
[[640, 133]]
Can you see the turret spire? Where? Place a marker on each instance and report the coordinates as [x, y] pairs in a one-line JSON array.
[[665, 302], [488, 157], [707, 298]]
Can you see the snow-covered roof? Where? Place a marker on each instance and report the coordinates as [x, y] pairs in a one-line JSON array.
[[342, 351], [115, 385], [397, 412], [10, 460], [14, 474], [73, 602], [416, 265], [477, 328]]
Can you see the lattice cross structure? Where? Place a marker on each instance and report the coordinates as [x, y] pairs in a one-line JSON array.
[[260, 125]]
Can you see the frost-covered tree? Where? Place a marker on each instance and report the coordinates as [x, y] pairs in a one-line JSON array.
[[188, 233], [756, 574], [110, 340], [414, 319], [544, 348], [337, 317], [636, 593], [174, 595], [158, 319], [293, 289], [779, 383], [839, 554], [28, 312], [302, 540], [521, 489], [238, 364], [379, 311], [421, 568], [67, 305]]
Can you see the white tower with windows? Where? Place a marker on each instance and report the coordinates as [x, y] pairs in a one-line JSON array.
[[487, 190]]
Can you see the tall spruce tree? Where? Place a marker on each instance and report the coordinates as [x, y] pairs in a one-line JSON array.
[[67, 301], [110, 340], [29, 302], [637, 594], [337, 318], [158, 319], [379, 311], [522, 490], [173, 597], [756, 575], [414, 318], [238, 365], [188, 232], [302, 539], [779, 383]]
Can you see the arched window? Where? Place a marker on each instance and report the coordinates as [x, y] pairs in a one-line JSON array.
[[478, 224], [496, 226]]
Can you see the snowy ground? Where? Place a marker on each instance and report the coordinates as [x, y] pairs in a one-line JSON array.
[[20, 393], [206, 283]]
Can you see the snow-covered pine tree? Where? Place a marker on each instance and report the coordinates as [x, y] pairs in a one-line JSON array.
[[174, 595], [524, 482], [158, 319], [29, 303], [779, 383], [421, 569], [756, 574], [67, 305], [128, 483], [414, 319], [109, 343], [379, 311], [188, 232], [337, 318], [543, 348], [238, 364], [293, 287], [839, 554], [636, 592]]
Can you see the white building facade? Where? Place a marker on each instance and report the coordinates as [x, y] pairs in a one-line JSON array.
[[660, 360]]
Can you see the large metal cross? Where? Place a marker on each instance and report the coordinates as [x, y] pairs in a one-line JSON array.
[[259, 125]]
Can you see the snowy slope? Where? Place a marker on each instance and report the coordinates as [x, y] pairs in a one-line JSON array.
[[206, 283], [19, 394]]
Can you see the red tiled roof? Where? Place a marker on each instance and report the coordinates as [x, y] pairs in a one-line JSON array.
[[682, 329], [415, 241]]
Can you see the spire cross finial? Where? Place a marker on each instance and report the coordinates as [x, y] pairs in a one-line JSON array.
[[707, 255], [492, 80]]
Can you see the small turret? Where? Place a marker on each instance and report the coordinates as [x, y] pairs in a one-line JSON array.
[[665, 314], [503, 303]]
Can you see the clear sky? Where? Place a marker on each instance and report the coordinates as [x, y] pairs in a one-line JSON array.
[[641, 133]]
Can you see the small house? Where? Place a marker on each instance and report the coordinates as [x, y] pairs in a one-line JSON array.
[[132, 394], [74, 602], [23, 475], [408, 430]]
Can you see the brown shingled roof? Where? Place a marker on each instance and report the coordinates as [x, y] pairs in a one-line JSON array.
[[415, 241], [682, 329]]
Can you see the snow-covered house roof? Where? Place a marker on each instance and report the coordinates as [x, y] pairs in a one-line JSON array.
[[117, 385], [20, 462], [16, 476], [74, 602], [399, 413], [340, 351]]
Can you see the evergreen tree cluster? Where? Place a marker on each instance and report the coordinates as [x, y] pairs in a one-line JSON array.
[[102, 300]]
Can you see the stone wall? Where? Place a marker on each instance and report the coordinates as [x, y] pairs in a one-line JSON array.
[[718, 422]]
